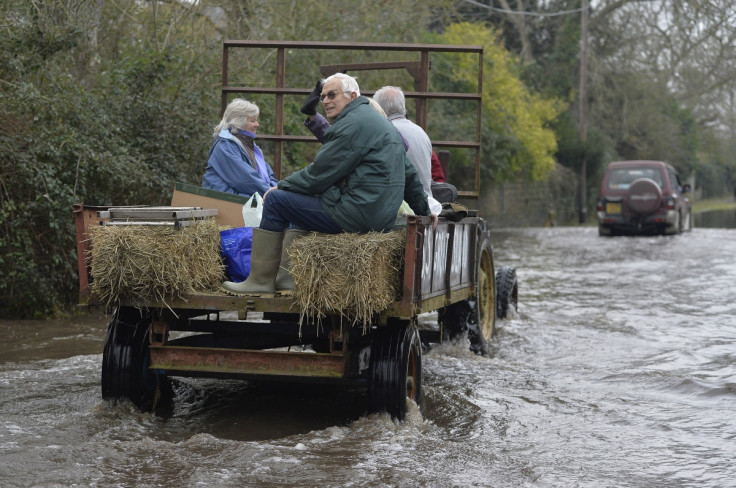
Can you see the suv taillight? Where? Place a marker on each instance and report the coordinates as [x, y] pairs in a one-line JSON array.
[[600, 206], [670, 203]]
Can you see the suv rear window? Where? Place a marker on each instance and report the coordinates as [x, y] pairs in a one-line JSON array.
[[621, 178]]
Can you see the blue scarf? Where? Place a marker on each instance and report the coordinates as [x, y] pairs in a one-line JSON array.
[[260, 161]]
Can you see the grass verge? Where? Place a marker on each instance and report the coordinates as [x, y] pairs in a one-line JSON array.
[[714, 204]]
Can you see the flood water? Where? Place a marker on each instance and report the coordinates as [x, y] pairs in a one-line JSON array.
[[716, 218], [618, 371]]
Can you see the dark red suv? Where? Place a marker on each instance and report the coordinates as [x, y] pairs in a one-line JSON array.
[[643, 197]]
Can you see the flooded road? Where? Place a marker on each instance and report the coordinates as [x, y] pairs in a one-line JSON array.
[[618, 371]]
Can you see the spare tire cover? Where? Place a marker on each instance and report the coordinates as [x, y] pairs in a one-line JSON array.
[[644, 196]]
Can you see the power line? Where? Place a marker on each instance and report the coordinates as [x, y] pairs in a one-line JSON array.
[[515, 12]]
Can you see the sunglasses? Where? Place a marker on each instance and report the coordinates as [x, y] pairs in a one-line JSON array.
[[330, 95]]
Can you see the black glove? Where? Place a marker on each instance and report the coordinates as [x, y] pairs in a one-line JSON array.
[[310, 106]]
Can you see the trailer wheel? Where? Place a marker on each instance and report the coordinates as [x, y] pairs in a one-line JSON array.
[[125, 361], [395, 370], [507, 291], [475, 316]]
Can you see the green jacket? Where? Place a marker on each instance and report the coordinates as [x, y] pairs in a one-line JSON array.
[[362, 172]]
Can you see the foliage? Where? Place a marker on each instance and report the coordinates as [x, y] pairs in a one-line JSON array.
[[516, 121], [73, 132], [644, 121], [660, 75], [716, 172], [111, 103]]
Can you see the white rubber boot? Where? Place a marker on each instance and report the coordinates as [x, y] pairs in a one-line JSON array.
[[264, 264]]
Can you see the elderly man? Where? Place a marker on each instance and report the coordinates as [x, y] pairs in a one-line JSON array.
[[391, 99], [355, 184], [439, 190]]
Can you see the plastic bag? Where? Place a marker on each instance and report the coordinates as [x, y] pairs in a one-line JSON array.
[[434, 206], [236, 247], [405, 209], [252, 215]]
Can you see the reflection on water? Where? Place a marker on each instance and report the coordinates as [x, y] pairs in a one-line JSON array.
[[619, 370], [716, 219]]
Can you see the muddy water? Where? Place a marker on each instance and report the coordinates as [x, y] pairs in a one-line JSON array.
[[618, 371]]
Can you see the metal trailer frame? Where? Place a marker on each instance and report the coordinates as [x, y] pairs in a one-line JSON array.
[[419, 70], [448, 269]]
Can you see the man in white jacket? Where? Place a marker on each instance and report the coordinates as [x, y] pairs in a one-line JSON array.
[[392, 101]]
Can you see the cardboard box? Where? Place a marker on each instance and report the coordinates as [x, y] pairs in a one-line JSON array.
[[229, 206]]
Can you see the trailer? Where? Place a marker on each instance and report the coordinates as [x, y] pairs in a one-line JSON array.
[[449, 270]]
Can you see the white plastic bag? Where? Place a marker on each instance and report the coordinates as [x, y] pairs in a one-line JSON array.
[[252, 214], [434, 206]]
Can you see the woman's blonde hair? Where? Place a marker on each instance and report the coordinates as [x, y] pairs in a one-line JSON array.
[[236, 115], [376, 107]]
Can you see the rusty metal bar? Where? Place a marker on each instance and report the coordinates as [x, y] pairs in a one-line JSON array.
[[80, 220], [421, 85], [428, 304], [247, 362], [366, 46], [290, 138], [84, 218], [479, 119], [467, 145], [158, 333], [304, 91], [412, 263], [279, 121], [225, 64]]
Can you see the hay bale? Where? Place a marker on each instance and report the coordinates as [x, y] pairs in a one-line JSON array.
[[353, 275], [155, 263]]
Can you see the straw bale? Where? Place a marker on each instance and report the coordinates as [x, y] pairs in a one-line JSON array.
[[157, 263], [352, 275]]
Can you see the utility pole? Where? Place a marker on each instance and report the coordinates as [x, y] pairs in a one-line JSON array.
[[583, 99]]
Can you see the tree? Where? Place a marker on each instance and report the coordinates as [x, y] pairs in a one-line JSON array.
[[660, 72], [111, 103], [518, 141], [86, 118]]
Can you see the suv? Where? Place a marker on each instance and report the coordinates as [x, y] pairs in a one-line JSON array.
[[639, 197]]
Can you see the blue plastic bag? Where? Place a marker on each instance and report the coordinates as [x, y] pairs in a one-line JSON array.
[[236, 247]]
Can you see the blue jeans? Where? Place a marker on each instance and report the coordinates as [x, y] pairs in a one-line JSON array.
[[284, 209]]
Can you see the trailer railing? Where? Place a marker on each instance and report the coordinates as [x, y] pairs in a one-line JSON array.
[[418, 69]]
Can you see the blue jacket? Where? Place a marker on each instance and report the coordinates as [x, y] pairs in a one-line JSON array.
[[230, 170]]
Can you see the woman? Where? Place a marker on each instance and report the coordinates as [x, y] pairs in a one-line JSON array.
[[236, 163]]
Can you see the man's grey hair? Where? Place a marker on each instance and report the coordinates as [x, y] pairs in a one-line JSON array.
[[349, 84], [391, 99], [236, 115]]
